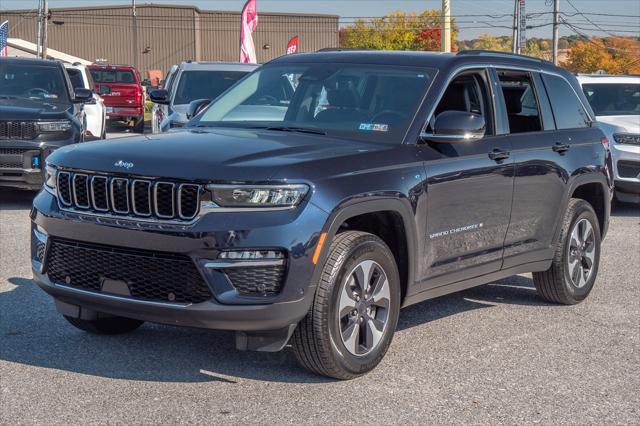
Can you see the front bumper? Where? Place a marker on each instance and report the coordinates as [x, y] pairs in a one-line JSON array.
[[294, 232], [22, 162]]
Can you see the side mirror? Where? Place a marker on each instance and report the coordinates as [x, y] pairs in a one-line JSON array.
[[196, 106], [159, 96], [146, 82], [82, 96], [456, 126]]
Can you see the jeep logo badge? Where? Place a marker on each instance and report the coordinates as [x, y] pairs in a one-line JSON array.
[[123, 164]]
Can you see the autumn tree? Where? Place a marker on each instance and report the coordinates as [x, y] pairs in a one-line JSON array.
[[397, 31], [613, 55]]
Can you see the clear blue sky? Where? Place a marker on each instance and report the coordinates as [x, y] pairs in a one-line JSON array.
[[628, 24]]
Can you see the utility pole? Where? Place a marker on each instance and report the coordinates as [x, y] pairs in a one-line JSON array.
[[446, 26], [135, 35], [45, 21], [516, 20], [39, 35], [556, 29]]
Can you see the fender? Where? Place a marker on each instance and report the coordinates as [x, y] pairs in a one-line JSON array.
[[574, 183], [366, 203]]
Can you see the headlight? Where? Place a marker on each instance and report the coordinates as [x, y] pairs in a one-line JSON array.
[[54, 126], [241, 196], [627, 138], [50, 179]]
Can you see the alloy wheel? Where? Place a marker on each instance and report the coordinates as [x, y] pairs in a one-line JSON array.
[[581, 253], [364, 305]]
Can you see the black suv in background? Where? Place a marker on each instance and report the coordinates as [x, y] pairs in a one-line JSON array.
[[313, 215], [39, 112]]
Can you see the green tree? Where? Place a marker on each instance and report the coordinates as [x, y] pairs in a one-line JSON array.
[[397, 31]]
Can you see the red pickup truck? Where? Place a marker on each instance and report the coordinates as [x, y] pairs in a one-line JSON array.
[[119, 86]]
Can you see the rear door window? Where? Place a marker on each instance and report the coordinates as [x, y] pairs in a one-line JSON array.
[[523, 110], [567, 108]]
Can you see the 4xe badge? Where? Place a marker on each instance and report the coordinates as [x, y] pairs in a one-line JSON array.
[[123, 164]]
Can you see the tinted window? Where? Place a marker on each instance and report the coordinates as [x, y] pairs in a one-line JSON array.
[[613, 98], [467, 93], [520, 101], [113, 76], [359, 102], [33, 82], [204, 84], [567, 109], [76, 78]]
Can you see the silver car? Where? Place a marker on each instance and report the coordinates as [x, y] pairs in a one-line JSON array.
[[188, 82], [615, 99]]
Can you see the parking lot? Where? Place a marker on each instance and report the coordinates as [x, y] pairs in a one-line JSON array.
[[493, 354]]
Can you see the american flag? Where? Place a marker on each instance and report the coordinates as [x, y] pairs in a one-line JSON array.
[[4, 34]]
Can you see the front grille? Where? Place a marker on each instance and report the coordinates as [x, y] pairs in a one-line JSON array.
[[140, 198], [11, 158], [18, 129], [257, 281], [150, 276], [628, 169]]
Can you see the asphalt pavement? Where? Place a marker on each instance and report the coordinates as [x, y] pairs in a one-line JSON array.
[[495, 354]]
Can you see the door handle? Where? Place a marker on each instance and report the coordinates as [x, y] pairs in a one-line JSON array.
[[499, 154], [560, 147]]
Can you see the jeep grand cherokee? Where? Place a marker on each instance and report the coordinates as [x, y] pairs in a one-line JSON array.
[[312, 216]]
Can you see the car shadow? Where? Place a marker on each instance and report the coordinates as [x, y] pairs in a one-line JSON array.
[[625, 210], [16, 199], [34, 334]]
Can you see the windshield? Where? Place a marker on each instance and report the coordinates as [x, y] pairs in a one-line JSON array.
[[613, 98], [113, 76], [204, 84], [32, 82], [363, 102], [75, 75]]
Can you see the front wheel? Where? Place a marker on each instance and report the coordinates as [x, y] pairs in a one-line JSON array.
[[355, 309], [573, 271]]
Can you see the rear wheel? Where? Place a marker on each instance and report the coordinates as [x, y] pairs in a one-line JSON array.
[[573, 271], [138, 127], [107, 325], [355, 310]]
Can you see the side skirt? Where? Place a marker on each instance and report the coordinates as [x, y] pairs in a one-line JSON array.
[[474, 282]]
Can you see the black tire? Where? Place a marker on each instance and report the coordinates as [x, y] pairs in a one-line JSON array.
[[317, 342], [139, 126], [556, 283], [107, 325]]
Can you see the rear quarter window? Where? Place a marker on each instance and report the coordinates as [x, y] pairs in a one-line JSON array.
[[567, 108]]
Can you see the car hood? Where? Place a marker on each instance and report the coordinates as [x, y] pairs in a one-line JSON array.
[[626, 123], [207, 155], [30, 109]]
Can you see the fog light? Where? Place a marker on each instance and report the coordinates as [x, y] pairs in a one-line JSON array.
[[251, 255]]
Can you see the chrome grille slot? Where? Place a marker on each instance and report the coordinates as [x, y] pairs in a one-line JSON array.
[[141, 197], [80, 185], [120, 195], [164, 199], [100, 193], [64, 188], [188, 200], [131, 198]]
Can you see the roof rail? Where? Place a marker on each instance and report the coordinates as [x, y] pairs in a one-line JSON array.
[[501, 54]]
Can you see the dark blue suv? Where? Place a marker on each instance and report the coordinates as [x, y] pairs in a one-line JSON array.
[[325, 191]]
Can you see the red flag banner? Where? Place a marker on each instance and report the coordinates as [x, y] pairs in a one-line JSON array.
[[293, 46], [247, 27]]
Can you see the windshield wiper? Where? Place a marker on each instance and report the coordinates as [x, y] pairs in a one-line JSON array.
[[8, 97], [291, 129]]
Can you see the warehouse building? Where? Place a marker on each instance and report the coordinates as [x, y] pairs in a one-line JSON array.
[[162, 35]]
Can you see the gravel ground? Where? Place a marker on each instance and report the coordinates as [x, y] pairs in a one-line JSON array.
[[495, 354]]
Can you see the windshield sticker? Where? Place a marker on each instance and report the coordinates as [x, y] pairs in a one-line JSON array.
[[374, 127]]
